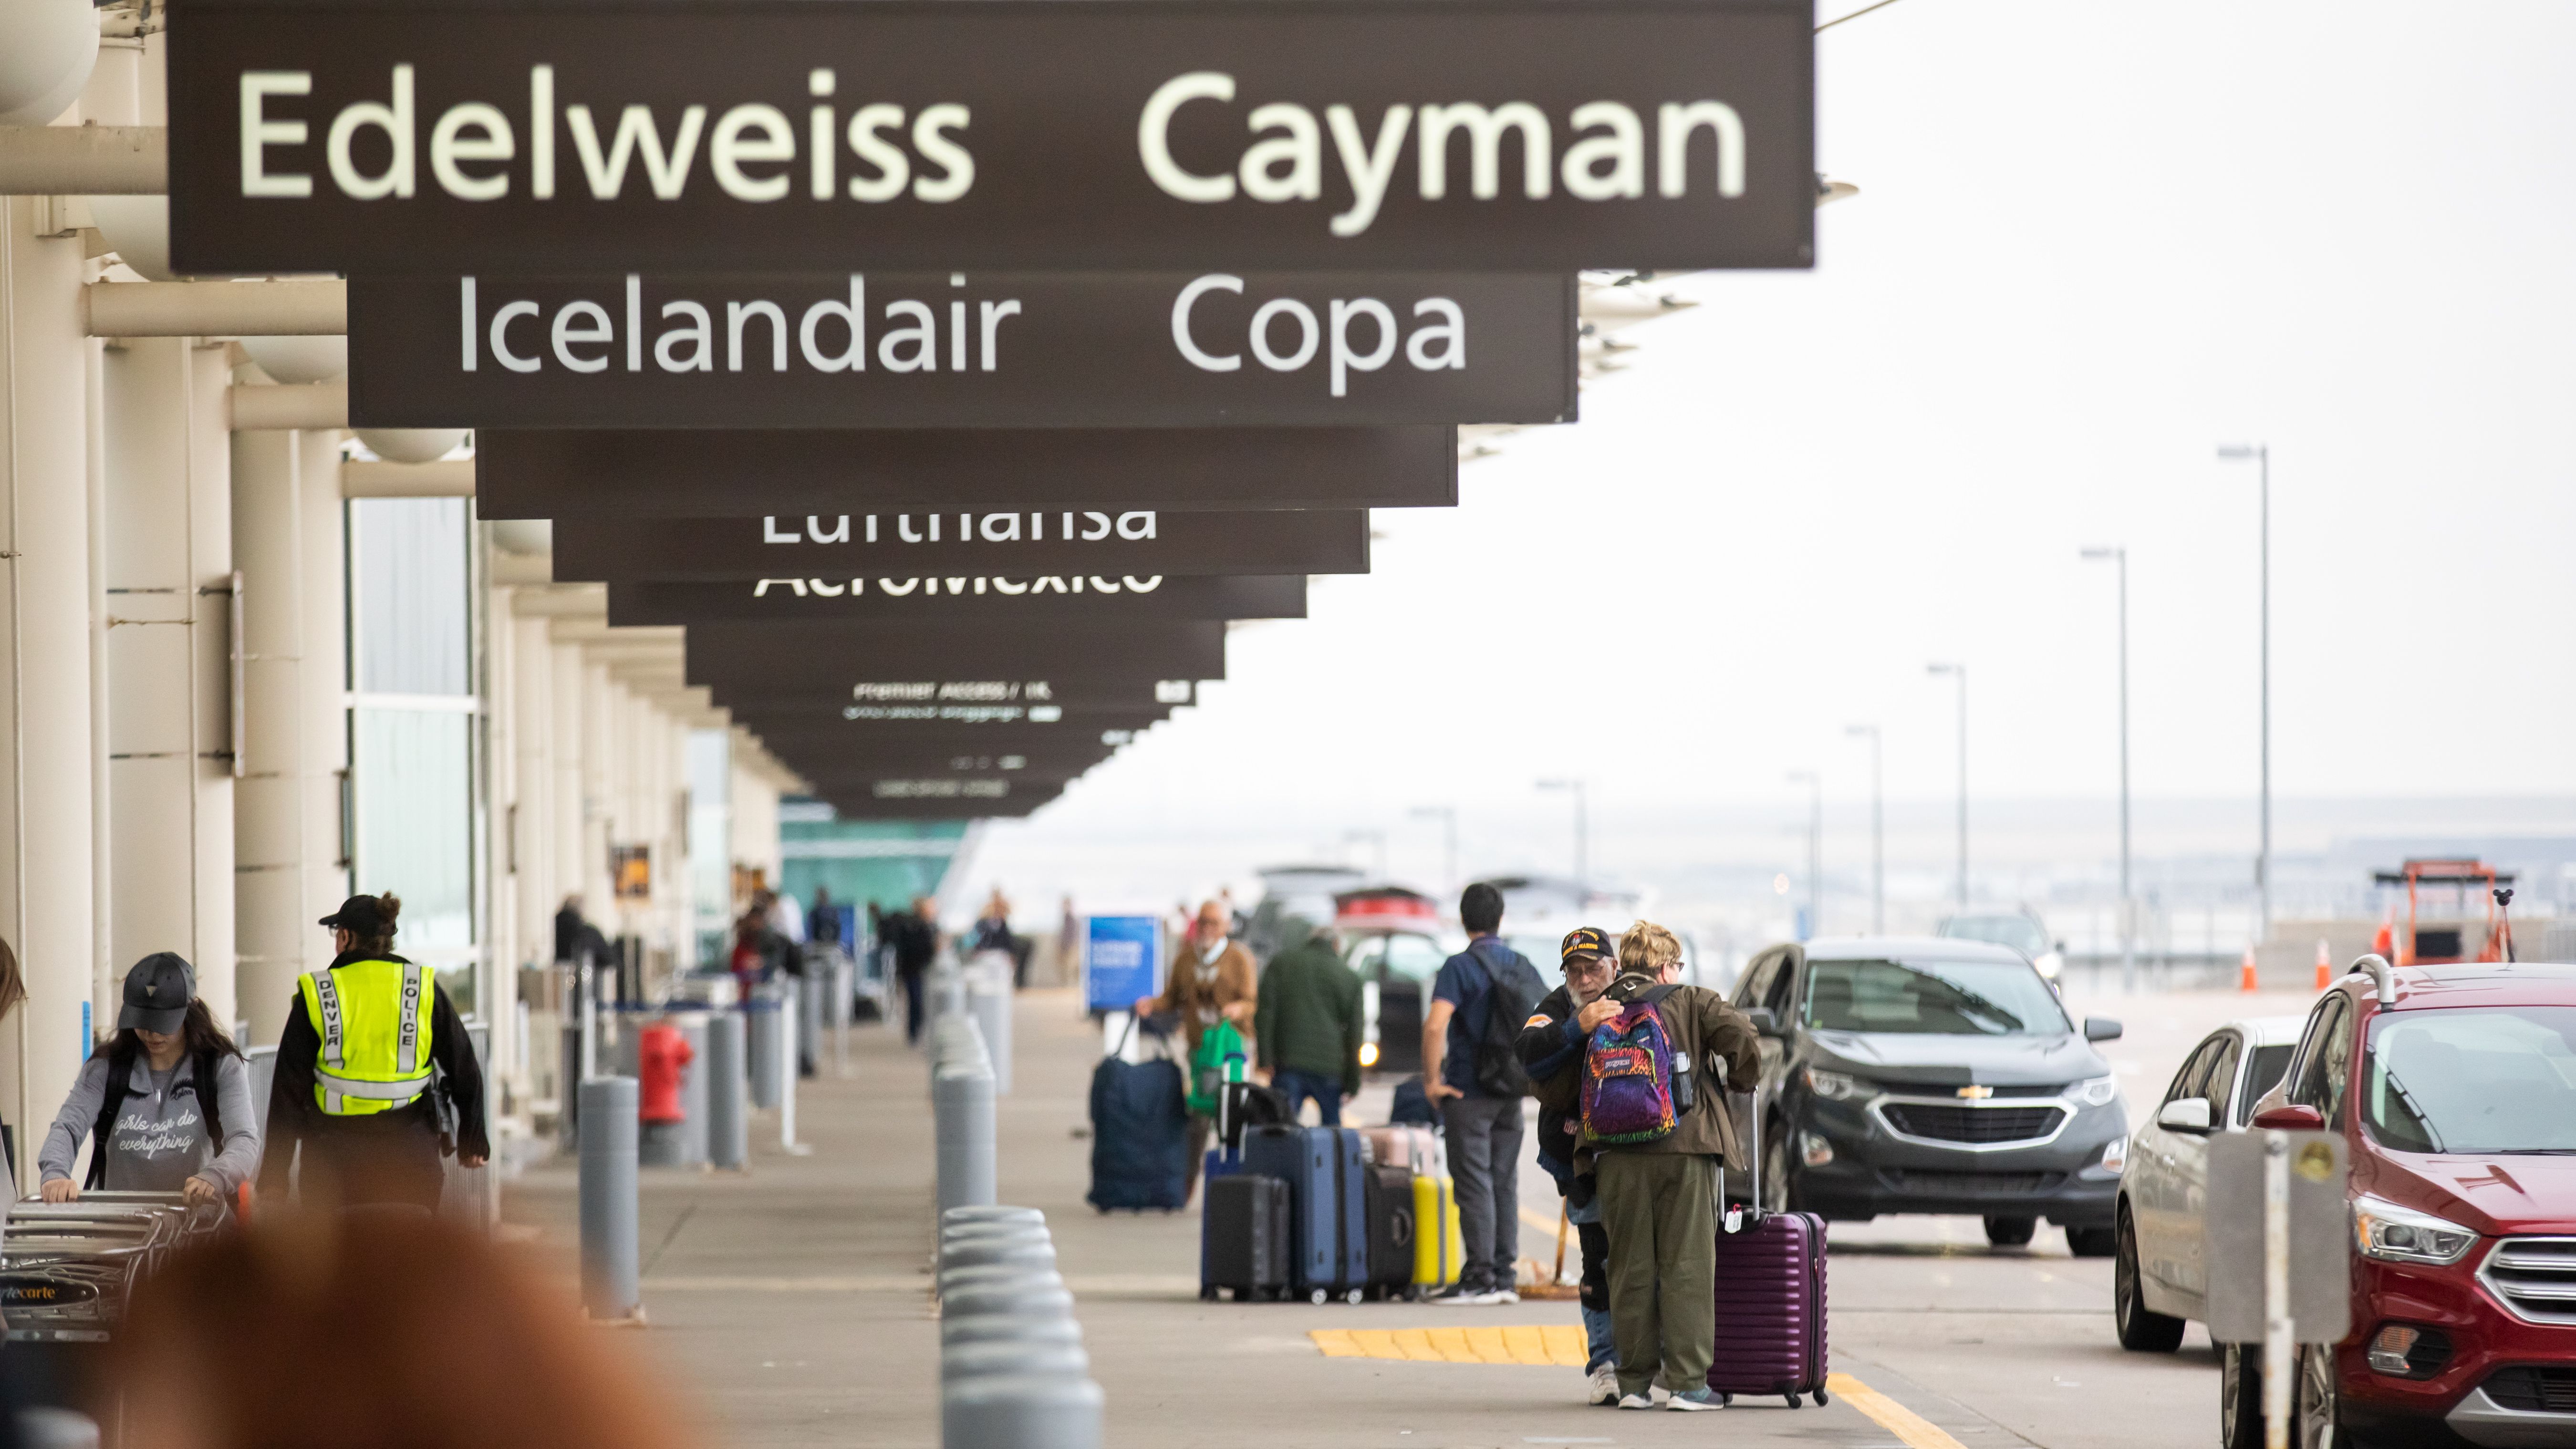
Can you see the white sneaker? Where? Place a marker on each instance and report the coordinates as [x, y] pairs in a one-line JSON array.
[[1466, 1298], [1636, 1401], [1603, 1388], [1503, 1296]]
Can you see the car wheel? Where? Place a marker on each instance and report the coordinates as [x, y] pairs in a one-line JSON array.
[[2240, 1396], [2010, 1232], [1775, 1172], [2142, 1329], [2092, 1242], [2318, 1411]]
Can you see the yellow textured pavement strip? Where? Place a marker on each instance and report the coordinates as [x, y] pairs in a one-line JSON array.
[[1530, 1345], [1917, 1431]]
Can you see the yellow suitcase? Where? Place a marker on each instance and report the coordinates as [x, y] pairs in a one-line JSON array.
[[1439, 1250]]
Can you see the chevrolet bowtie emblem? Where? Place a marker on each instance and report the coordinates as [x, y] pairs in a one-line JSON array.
[[1976, 1094]]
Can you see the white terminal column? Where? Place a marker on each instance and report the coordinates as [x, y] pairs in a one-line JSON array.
[[289, 545], [46, 878], [169, 559], [541, 891], [563, 720]]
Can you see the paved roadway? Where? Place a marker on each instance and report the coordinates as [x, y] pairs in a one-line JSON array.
[[792, 1300]]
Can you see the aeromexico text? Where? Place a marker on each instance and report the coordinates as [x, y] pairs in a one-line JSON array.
[[639, 328], [875, 152]]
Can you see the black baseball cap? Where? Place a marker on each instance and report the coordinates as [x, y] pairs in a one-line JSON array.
[[157, 992], [1586, 941], [359, 916]]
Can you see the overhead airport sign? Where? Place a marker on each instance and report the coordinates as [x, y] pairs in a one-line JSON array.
[[961, 350], [1531, 135], [753, 473], [930, 698], [1110, 541], [1000, 599], [1037, 759], [861, 805], [1150, 648]]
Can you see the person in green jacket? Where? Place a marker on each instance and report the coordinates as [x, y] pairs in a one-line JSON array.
[[1308, 1026]]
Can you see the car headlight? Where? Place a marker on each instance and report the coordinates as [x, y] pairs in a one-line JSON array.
[[1368, 1053], [1837, 1086], [2398, 1234], [2095, 1091]]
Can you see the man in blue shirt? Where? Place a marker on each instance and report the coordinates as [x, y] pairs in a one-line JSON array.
[[1483, 1128]]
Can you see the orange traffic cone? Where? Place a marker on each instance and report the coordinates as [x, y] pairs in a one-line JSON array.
[[2245, 976], [2325, 967]]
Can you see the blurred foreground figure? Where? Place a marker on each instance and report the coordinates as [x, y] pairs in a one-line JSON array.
[[285, 1336]]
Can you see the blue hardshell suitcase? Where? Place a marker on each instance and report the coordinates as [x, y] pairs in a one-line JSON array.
[[1326, 1175]]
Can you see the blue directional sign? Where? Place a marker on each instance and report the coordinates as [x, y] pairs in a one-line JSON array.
[[1122, 960]]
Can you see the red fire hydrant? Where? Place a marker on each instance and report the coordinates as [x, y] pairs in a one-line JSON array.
[[660, 1053]]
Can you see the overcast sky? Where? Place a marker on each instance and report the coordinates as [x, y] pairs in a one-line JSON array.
[[2092, 242]]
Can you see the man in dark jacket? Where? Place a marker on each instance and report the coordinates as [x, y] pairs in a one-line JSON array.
[[1551, 1049], [1659, 1198], [1307, 1026], [914, 934]]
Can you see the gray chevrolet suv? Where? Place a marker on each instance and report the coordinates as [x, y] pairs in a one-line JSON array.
[[1931, 1075]]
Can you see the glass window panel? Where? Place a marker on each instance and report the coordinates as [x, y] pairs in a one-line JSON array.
[[415, 807], [408, 597]]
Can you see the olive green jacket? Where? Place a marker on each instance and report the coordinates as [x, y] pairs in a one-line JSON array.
[[1309, 1017]]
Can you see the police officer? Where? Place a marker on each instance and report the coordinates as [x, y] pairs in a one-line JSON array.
[[354, 1072]]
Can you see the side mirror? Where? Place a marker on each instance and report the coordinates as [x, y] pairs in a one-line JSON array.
[[2101, 1028], [1764, 1023], [2185, 1114], [2061, 948], [2292, 1117]]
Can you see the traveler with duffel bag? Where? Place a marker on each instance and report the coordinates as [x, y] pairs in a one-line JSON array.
[[1656, 1138], [1212, 980]]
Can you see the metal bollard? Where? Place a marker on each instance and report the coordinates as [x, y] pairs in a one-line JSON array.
[[609, 1286], [1024, 1411], [990, 1212], [790, 1006], [809, 1019], [977, 1358], [988, 996], [1027, 1300], [996, 1253], [986, 1327], [767, 1042], [728, 1118], [693, 1088], [1014, 1277], [962, 1104]]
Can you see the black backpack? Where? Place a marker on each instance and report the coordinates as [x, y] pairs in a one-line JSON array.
[[1513, 993], [120, 1069]]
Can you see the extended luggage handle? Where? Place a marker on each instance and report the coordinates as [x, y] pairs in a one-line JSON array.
[[1735, 1218]]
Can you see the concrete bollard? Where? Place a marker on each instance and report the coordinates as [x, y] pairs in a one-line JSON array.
[[609, 1273], [982, 1357], [1034, 1252], [990, 1212], [728, 1118], [1023, 1411], [790, 1010], [1013, 1277], [962, 1103], [988, 999], [768, 1043], [693, 1088], [809, 1018], [955, 1328]]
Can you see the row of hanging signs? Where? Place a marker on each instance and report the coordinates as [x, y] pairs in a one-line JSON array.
[[955, 370]]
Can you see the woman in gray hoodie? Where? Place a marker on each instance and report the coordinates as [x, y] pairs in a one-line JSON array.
[[166, 1104]]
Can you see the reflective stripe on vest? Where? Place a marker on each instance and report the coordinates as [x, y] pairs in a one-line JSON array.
[[372, 1031]]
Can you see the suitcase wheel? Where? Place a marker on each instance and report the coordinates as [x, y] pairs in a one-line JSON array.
[[1793, 1400], [1317, 1297], [1355, 1295], [1207, 1295], [1820, 1396]]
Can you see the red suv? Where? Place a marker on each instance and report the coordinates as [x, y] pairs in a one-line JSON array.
[[2455, 1086]]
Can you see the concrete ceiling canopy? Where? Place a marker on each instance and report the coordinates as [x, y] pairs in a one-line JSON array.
[[300, 359], [411, 445]]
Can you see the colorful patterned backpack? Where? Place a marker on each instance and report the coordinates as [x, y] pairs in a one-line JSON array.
[[1628, 1075]]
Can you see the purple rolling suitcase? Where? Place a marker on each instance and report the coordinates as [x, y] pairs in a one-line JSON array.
[[1770, 1300]]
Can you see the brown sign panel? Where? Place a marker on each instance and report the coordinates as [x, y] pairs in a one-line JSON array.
[[1146, 648], [861, 805], [1307, 135], [975, 757], [961, 350], [1030, 599], [814, 732], [1107, 540], [958, 699], [749, 473]]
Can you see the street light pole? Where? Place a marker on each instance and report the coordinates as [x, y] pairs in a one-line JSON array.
[[1960, 673], [1448, 817], [1815, 850], [1376, 838], [1582, 828], [1877, 831], [2261, 453], [2128, 895]]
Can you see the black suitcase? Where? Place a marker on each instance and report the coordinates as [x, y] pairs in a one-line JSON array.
[[1389, 1205], [1140, 1142], [1244, 1231]]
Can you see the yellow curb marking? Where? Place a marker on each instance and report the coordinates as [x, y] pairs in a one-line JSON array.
[[1895, 1418], [1531, 1345]]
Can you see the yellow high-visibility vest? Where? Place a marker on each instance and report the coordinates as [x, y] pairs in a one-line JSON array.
[[374, 1021]]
